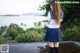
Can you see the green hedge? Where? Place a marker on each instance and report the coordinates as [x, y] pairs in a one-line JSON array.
[[30, 36]]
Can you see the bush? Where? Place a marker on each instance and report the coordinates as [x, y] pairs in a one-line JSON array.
[[29, 36], [71, 34], [14, 30], [2, 39], [33, 36], [21, 38]]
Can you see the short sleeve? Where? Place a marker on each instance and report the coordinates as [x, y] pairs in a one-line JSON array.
[[48, 17]]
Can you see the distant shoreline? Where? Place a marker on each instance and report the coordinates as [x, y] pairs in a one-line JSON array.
[[9, 15]]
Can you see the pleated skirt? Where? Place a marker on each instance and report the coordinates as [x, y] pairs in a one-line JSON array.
[[53, 35]]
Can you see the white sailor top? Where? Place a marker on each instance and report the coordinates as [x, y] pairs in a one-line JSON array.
[[52, 21]]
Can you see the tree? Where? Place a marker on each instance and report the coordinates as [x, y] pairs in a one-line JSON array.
[[37, 24], [2, 29], [14, 30]]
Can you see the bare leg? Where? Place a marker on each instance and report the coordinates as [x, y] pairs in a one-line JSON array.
[[56, 46], [51, 46]]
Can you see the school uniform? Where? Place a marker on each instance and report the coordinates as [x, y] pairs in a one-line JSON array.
[[53, 33]]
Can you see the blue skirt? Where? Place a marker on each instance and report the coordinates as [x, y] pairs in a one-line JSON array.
[[53, 35]]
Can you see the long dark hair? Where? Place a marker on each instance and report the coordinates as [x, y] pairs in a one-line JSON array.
[[57, 9]]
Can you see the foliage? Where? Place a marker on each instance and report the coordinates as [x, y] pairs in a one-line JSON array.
[[2, 39], [2, 29], [14, 30], [71, 34], [21, 38], [33, 36], [29, 36], [37, 24]]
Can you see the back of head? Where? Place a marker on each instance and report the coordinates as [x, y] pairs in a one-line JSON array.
[[57, 8]]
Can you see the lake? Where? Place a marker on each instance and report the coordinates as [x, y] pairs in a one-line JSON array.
[[24, 21]]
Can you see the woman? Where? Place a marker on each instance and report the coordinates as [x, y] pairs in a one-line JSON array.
[[53, 33]]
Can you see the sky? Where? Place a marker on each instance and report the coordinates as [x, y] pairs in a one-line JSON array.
[[19, 6]]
